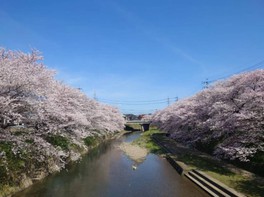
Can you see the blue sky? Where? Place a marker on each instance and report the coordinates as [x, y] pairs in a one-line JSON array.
[[130, 51]]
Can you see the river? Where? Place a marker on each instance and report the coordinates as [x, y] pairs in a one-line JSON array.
[[107, 172]]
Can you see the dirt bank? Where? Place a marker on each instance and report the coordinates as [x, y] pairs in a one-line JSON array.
[[134, 152]]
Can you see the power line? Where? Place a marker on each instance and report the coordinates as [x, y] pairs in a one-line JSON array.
[[138, 111], [254, 66], [136, 101], [154, 104], [150, 102]]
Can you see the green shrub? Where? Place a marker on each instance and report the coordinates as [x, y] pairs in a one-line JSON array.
[[29, 141], [76, 147], [90, 141], [12, 166], [258, 157], [58, 140]]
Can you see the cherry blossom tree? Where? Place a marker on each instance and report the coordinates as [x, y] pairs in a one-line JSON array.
[[22, 82], [49, 109], [227, 116]]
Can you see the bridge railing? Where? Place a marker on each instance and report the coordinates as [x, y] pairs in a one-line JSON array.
[[137, 122]]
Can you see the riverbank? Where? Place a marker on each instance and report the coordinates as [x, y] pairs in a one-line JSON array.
[[27, 170], [190, 159], [138, 149], [147, 142]]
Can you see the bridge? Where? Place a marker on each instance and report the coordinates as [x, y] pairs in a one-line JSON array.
[[144, 125], [136, 122]]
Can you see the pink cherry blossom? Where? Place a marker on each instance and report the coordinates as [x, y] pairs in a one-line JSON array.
[[229, 112]]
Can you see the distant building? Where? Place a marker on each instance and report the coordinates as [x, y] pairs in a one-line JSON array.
[[145, 117], [130, 117]]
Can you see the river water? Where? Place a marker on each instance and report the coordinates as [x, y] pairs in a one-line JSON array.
[[107, 172]]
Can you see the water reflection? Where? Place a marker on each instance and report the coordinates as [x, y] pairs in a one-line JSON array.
[[107, 172]]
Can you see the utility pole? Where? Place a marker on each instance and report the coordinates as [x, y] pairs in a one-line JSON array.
[[168, 101], [205, 83], [176, 99]]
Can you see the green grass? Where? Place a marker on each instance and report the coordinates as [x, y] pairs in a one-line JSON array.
[[251, 186], [58, 140], [205, 164], [90, 141], [145, 141]]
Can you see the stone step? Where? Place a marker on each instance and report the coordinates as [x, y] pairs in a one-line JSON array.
[[212, 186], [208, 185], [203, 187], [231, 192]]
